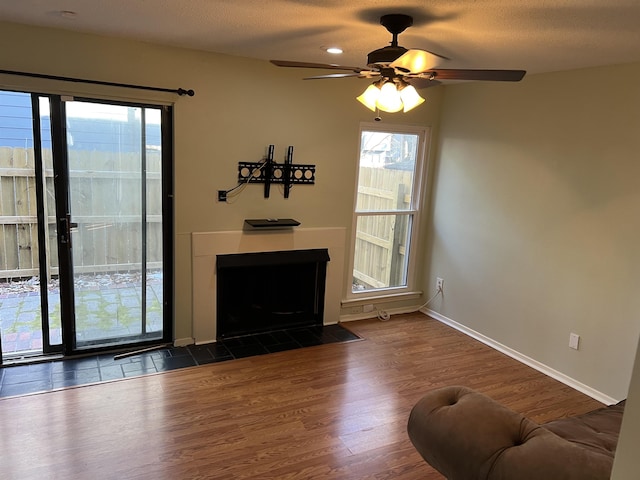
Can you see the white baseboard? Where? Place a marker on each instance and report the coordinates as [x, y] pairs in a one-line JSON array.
[[373, 314], [541, 367]]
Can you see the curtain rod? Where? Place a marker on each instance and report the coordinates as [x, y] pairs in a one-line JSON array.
[[179, 91]]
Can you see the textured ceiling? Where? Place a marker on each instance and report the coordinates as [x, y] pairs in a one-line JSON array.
[[534, 35]]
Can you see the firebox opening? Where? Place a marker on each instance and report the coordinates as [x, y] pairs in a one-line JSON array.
[[267, 291]]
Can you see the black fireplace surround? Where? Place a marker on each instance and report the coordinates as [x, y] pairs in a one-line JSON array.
[[268, 291]]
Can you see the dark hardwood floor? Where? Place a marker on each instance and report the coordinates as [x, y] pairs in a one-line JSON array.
[[20, 379], [335, 411]]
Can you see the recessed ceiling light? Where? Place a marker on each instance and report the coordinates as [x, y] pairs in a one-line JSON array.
[[334, 50]]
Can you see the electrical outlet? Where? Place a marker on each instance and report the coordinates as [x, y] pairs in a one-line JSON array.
[[367, 308], [440, 285], [222, 195], [574, 341]]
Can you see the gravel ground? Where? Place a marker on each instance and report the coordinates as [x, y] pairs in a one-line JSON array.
[[82, 282]]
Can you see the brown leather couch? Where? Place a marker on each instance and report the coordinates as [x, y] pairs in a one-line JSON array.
[[466, 435]]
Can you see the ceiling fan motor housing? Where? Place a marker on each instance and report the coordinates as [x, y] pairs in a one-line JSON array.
[[384, 56]]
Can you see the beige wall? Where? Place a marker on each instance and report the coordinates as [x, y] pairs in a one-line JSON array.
[[535, 218], [241, 106]]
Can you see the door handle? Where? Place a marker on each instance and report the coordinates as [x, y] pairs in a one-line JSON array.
[[65, 227]]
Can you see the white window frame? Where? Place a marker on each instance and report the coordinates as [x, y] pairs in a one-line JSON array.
[[414, 213]]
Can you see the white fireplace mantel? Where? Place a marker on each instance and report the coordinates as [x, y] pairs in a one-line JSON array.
[[206, 245]]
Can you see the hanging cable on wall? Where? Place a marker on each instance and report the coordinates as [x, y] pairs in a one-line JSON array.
[[179, 91]]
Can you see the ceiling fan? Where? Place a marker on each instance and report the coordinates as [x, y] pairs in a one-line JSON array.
[[399, 70]]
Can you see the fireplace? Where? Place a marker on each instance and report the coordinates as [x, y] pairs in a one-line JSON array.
[[267, 291]]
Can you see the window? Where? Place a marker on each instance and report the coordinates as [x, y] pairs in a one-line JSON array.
[[386, 208]]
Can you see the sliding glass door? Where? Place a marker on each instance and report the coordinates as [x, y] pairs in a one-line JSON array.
[[115, 222], [30, 322], [105, 216]]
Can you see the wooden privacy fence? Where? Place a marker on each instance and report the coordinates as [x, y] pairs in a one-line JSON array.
[[380, 239], [106, 203]]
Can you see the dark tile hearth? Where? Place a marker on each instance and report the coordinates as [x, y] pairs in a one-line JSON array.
[[39, 377]]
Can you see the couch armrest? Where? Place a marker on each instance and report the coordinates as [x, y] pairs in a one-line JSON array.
[[466, 435]]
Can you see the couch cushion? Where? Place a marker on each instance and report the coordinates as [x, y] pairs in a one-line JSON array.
[[597, 430], [466, 435]]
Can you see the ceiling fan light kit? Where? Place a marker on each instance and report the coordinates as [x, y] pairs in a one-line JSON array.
[[390, 96], [410, 97], [389, 99], [396, 66], [370, 96]]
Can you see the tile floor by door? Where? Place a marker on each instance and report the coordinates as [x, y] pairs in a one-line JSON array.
[[50, 375]]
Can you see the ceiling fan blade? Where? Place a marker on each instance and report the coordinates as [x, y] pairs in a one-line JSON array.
[[366, 74], [461, 74], [416, 61], [420, 82], [329, 66]]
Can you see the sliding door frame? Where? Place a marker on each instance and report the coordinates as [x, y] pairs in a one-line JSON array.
[[42, 221], [64, 225]]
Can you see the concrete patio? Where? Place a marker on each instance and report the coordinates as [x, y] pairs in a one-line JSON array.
[[107, 306]]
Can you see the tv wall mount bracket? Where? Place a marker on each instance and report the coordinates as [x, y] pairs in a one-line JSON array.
[[270, 172]]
